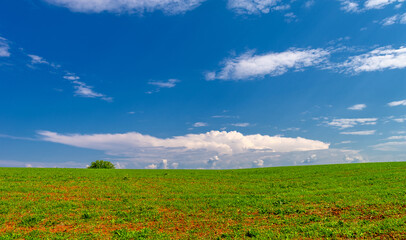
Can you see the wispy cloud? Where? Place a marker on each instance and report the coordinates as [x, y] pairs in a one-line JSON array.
[[4, 48], [240, 124], [397, 138], [358, 107], [376, 60], [169, 84], [161, 84], [200, 124], [378, 4], [362, 6], [17, 138], [35, 59], [367, 132], [256, 6], [343, 123], [400, 120], [13, 163], [309, 3], [398, 18], [128, 6], [349, 6], [390, 146], [249, 66], [188, 150], [83, 90], [397, 103]]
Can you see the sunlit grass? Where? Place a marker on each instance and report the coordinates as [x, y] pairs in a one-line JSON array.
[[331, 201]]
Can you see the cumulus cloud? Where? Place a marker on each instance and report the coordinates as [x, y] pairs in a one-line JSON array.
[[377, 60], [258, 163], [4, 48], [358, 107], [397, 103], [151, 166], [361, 133], [343, 123], [249, 66], [189, 151], [128, 6], [212, 162], [255, 6]]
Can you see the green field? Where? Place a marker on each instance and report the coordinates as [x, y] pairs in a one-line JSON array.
[[330, 201]]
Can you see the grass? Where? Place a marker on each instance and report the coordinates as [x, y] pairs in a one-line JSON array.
[[310, 202]]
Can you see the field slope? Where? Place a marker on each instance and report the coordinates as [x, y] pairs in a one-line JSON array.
[[310, 202]]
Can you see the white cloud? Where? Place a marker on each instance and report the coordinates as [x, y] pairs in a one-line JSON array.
[[240, 124], [309, 3], [391, 146], [4, 48], [398, 18], [343, 123], [212, 162], [367, 132], [252, 6], [128, 6], [378, 4], [13, 163], [189, 151], [71, 77], [86, 91], [349, 6], [163, 164], [169, 84], [249, 66], [358, 107], [399, 120], [119, 165], [160, 84], [258, 163], [151, 166], [397, 103], [35, 59], [290, 17], [83, 90], [200, 124], [397, 138], [356, 6], [376, 60]]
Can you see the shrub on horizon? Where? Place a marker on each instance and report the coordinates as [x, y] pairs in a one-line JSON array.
[[101, 164]]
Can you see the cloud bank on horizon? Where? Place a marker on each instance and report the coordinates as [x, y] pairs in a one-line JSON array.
[[225, 149]]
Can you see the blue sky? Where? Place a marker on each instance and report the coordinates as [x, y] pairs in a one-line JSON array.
[[202, 83]]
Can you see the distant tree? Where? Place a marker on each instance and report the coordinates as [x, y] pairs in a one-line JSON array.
[[102, 164]]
